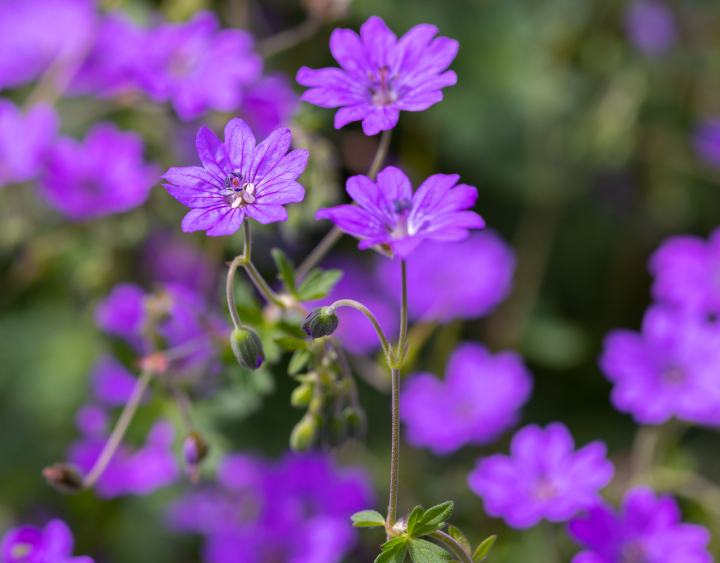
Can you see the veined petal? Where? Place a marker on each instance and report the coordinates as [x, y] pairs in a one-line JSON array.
[[349, 52], [289, 168], [268, 153], [228, 224], [411, 47], [267, 213], [394, 184], [192, 176], [378, 40], [419, 102], [368, 195], [203, 218], [353, 220], [194, 197], [430, 195], [213, 153], [240, 141], [333, 97], [281, 193]]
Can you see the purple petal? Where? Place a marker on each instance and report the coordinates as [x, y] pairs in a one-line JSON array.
[[280, 193], [378, 40], [229, 223], [213, 153], [353, 220], [381, 119], [349, 52], [267, 154], [352, 113], [205, 218], [267, 213], [419, 102], [394, 184], [289, 168], [371, 197], [241, 142]]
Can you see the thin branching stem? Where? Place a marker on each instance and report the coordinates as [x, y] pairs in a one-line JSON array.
[[452, 544], [378, 329]]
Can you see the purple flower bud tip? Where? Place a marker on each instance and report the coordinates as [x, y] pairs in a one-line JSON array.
[[64, 477]]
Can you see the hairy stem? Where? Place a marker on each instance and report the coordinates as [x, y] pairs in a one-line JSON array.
[[289, 38], [241, 260], [378, 329], [395, 452], [452, 544], [262, 285], [402, 341]]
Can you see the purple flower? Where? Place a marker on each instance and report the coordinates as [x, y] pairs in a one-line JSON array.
[[111, 382], [389, 213], [647, 529], [123, 313], [24, 141], [28, 544], [197, 66], [706, 140], [459, 281], [478, 400], [670, 369], [650, 26], [104, 174], [269, 104], [35, 33], [380, 75], [542, 478], [238, 178], [92, 420]]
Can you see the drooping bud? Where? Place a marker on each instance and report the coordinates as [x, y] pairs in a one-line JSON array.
[[64, 477], [195, 449], [356, 422], [247, 347], [302, 436], [321, 322], [301, 395]]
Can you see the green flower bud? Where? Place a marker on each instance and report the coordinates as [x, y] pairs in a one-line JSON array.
[[337, 431], [320, 323], [301, 395], [247, 347], [302, 436], [64, 477], [356, 422]]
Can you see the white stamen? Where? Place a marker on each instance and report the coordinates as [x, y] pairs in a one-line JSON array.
[[237, 202], [248, 197], [249, 188]]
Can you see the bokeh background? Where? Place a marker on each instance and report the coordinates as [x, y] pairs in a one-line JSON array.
[[581, 135]]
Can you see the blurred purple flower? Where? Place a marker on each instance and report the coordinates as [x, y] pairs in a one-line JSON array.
[[28, 544], [389, 213], [104, 174], [650, 26], [706, 140], [169, 259], [238, 178], [478, 400], [92, 420], [111, 382], [458, 281], [381, 75], [648, 529], [24, 141], [543, 478], [670, 369], [35, 33], [197, 66], [123, 313], [294, 511], [131, 471], [269, 103]]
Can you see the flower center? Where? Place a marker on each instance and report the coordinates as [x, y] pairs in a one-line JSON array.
[[402, 209], [673, 375], [544, 489], [633, 553], [21, 550], [239, 194], [383, 93]]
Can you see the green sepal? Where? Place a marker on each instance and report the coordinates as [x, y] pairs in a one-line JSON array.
[[432, 520], [367, 519], [423, 551], [286, 269], [317, 284], [459, 537], [483, 549]]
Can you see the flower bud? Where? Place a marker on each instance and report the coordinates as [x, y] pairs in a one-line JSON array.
[[356, 422], [320, 323], [64, 477], [302, 436], [194, 449], [301, 395], [247, 347]]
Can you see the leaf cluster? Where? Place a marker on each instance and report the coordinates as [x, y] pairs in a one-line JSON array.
[[316, 284]]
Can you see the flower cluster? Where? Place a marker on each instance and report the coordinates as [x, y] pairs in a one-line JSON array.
[[52, 544]]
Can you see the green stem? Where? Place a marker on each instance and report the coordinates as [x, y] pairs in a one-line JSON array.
[[240, 260], [395, 451], [454, 545], [402, 342], [262, 285], [380, 154], [288, 38], [378, 329]]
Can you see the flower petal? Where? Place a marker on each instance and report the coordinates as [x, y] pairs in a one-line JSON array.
[[267, 213], [381, 118], [213, 153], [240, 141], [267, 154]]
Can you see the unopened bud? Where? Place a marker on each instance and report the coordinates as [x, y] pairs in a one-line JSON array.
[[337, 434], [195, 449], [356, 422], [301, 395], [320, 322], [64, 477], [302, 436], [247, 347]]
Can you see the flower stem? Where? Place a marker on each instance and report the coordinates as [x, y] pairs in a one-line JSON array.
[[378, 329], [380, 154], [119, 431], [262, 285], [402, 342], [395, 451], [289, 38], [240, 260], [452, 544]]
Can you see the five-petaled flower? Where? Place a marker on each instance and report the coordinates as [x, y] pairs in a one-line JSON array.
[[381, 75], [388, 213], [238, 178]]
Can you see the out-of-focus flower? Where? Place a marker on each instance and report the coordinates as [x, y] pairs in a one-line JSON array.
[[130, 471], [458, 281], [111, 382], [36, 33], [648, 528], [24, 141], [28, 544], [478, 400], [295, 510], [381, 75], [327, 10], [542, 478], [123, 313], [238, 178], [269, 103], [92, 420], [104, 174], [706, 140], [198, 66], [650, 26], [389, 213], [670, 369]]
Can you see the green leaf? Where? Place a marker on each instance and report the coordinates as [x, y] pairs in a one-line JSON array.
[[317, 284], [483, 549], [415, 516], [459, 537], [367, 518], [422, 551], [286, 270], [393, 551], [433, 519], [291, 343], [299, 360]]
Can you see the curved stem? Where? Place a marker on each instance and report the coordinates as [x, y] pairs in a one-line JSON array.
[[262, 285], [289, 38], [119, 431], [241, 260], [454, 545], [395, 452], [365, 311], [402, 341]]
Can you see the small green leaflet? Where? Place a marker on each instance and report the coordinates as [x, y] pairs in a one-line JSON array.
[[422, 551], [393, 551], [286, 270], [298, 361], [483, 549], [367, 518], [459, 537], [431, 520], [317, 284]]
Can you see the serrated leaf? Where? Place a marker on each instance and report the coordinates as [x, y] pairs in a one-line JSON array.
[[298, 361], [433, 519], [291, 343], [483, 549], [393, 551], [286, 269], [317, 284], [414, 518], [367, 518], [422, 551], [459, 537]]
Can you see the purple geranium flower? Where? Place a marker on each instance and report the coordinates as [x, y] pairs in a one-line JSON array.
[[111, 382], [542, 478], [389, 213], [380, 75], [668, 370], [706, 140], [104, 174], [647, 529], [28, 544], [24, 141], [650, 26], [168, 258], [478, 400], [123, 313], [269, 103], [238, 178], [459, 281]]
